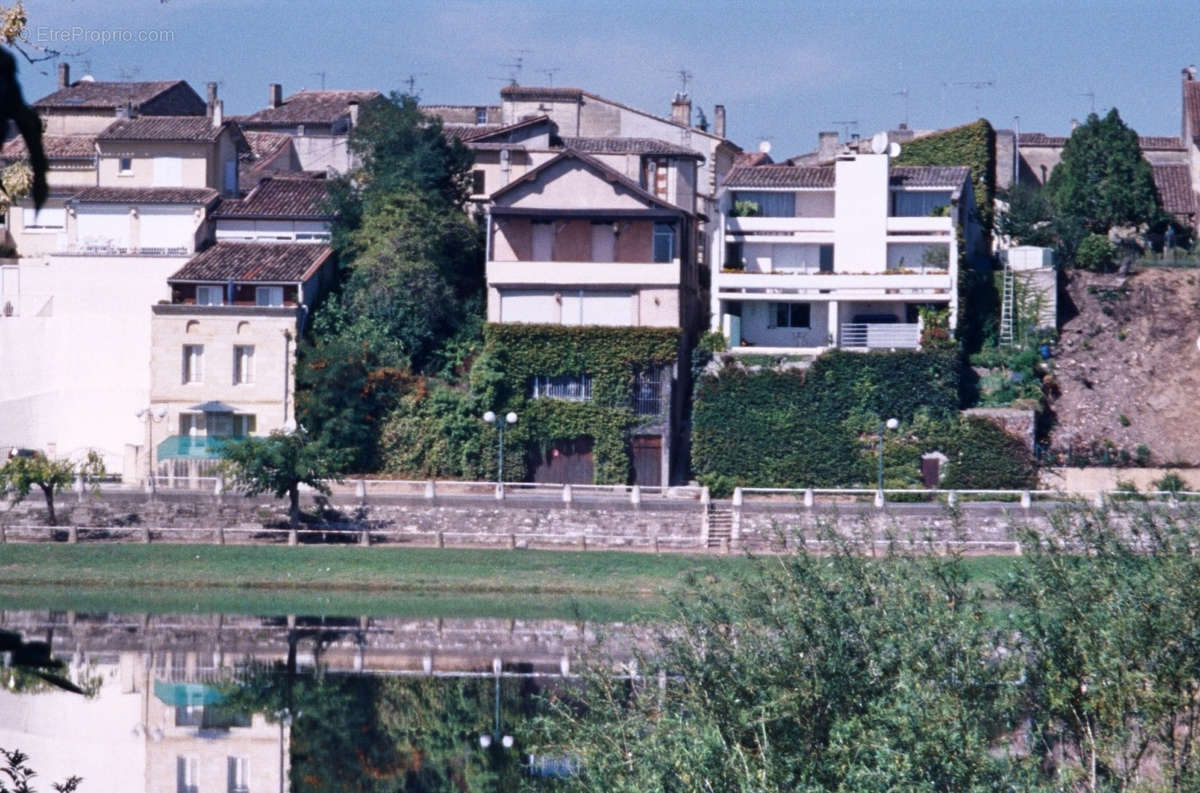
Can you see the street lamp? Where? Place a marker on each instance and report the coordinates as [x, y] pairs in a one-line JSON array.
[[150, 415], [890, 424], [491, 418]]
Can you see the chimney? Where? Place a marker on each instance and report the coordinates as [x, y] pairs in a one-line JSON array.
[[276, 91], [681, 109], [827, 146], [1189, 73], [125, 110], [64, 75], [353, 107], [719, 121], [218, 113], [212, 96]]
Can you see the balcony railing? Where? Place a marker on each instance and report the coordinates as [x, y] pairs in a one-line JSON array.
[[752, 225], [880, 335], [845, 283], [117, 250], [583, 273]]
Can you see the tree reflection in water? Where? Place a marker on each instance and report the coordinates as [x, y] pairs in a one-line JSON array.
[[359, 732]]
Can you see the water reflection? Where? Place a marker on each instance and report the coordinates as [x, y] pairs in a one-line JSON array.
[[242, 704]]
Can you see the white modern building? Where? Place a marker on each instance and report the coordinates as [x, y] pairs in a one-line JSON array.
[[809, 258]]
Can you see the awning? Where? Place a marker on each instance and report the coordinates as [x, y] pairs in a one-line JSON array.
[[212, 406], [179, 695], [199, 447]]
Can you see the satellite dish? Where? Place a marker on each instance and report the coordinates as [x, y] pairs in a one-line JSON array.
[[765, 146], [87, 78], [893, 150], [879, 143]]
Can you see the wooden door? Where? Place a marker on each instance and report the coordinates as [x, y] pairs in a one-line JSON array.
[[566, 462], [647, 460], [931, 469]]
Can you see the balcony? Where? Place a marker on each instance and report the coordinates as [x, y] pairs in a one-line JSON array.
[[920, 226], [837, 285], [761, 225], [509, 273], [116, 250], [880, 336]]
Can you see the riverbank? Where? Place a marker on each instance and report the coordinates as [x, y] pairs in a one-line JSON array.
[[350, 580]]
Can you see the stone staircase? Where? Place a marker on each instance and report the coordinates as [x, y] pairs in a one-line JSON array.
[[720, 526]]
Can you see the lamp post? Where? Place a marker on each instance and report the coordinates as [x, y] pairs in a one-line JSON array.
[[485, 740], [890, 424], [491, 418], [150, 415]]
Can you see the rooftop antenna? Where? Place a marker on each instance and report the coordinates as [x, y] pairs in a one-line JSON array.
[[517, 64], [1092, 96], [127, 73], [977, 86], [904, 93], [685, 77], [550, 74], [846, 127], [411, 82], [322, 76]]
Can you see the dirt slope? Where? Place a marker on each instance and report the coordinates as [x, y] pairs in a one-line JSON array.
[[1128, 366]]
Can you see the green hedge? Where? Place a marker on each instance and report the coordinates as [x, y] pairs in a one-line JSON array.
[[816, 428], [972, 145]]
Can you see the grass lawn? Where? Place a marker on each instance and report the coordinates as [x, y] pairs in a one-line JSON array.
[[341, 580]]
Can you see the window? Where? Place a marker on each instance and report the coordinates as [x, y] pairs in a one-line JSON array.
[[243, 364], [244, 425], [664, 242], [647, 393], [187, 774], [791, 315], [770, 205], [125, 165], [574, 388], [604, 242], [191, 424], [543, 241], [918, 203], [481, 115], [239, 775], [268, 296], [210, 295], [478, 182], [193, 363], [231, 178]]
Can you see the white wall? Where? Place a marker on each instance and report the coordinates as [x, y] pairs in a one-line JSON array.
[[860, 218], [762, 257], [756, 318]]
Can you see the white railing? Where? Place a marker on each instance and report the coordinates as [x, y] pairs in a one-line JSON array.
[[584, 273], [742, 284], [751, 225], [881, 335]]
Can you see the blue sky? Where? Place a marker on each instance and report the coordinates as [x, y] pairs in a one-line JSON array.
[[784, 70]]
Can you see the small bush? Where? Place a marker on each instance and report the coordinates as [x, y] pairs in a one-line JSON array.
[[1096, 253], [1141, 455], [1124, 420], [1171, 482]]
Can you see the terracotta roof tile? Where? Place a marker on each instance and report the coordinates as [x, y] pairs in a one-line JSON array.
[[250, 262], [58, 147], [629, 146], [780, 176], [534, 92], [111, 95], [1174, 183], [277, 197], [950, 177], [1040, 139], [751, 159], [1159, 143], [146, 195], [172, 128], [310, 107]]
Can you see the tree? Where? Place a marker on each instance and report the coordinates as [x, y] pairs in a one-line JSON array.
[[22, 473], [1102, 181], [1026, 218], [278, 464], [16, 776], [816, 673]]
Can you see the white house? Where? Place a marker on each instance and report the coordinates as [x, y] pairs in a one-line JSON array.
[[808, 258]]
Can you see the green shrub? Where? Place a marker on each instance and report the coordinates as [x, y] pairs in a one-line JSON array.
[[972, 145], [1096, 253], [1171, 482], [1141, 455]]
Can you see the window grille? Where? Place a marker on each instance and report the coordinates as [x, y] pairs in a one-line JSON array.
[[575, 388]]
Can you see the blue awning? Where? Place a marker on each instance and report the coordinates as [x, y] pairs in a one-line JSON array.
[[179, 695], [199, 447]]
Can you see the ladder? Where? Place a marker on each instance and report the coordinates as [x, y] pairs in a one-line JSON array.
[[1006, 306]]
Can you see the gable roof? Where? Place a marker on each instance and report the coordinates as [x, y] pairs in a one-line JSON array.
[[310, 107], [607, 173], [145, 195], [1174, 183], [177, 129], [58, 147], [946, 176], [254, 262], [1160, 143], [629, 146], [279, 197], [98, 95]]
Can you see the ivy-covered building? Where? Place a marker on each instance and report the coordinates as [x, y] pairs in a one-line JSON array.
[[807, 258]]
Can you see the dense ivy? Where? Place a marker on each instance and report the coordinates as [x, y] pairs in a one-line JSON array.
[[819, 428], [972, 145]]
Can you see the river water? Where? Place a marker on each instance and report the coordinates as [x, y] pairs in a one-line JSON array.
[[195, 702]]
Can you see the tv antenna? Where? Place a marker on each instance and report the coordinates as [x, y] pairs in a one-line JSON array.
[[550, 74], [1092, 96], [127, 73], [518, 63], [977, 86], [322, 76], [846, 127], [411, 82], [904, 93]]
